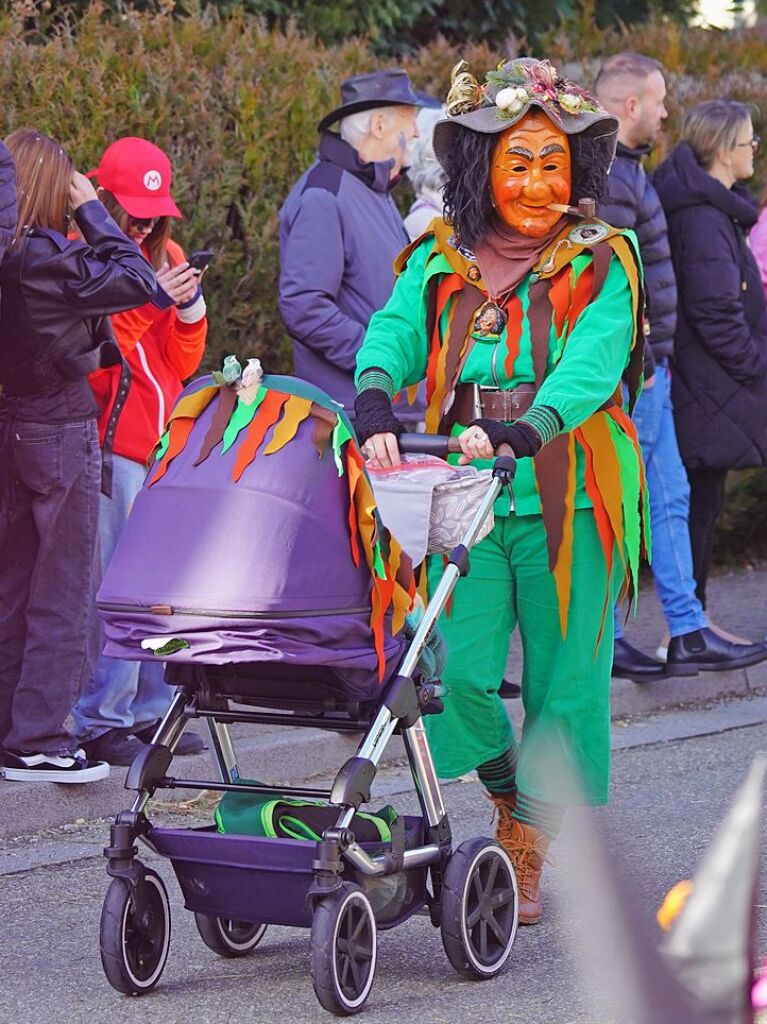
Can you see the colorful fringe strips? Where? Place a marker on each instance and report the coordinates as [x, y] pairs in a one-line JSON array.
[[607, 440], [234, 422]]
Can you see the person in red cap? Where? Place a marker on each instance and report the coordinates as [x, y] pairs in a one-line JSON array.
[[163, 343]]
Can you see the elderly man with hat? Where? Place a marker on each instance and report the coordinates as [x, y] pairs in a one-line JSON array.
[[523, 312], [340, 230]]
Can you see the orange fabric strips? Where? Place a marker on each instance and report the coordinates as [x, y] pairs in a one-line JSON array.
[[179, 432], [295, 412], [267, 415]]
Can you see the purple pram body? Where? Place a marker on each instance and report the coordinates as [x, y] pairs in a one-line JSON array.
[[258, 571]]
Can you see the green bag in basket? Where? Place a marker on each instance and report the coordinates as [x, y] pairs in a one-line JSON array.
[[256, 814]]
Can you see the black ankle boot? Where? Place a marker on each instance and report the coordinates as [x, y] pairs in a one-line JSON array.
[[629, 663], [704, 651]]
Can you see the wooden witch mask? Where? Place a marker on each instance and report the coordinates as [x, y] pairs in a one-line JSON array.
[[531, 168]]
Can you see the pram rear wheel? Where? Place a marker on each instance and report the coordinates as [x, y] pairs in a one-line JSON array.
[[479, 908], [344, 950], [229, 938], [134, 947]]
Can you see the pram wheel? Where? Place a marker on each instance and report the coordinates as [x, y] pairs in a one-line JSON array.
[[479, 908], [134, 949], [344, 950], [227, 937]]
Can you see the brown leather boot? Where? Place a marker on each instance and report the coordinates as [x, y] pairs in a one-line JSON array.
[[527, 846], [504, 808]]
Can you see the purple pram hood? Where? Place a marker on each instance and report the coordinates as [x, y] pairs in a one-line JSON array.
[[254, 571]]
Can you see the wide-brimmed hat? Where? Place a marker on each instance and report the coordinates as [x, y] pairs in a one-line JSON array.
[[390, 88], [138, 174], [509, 92]]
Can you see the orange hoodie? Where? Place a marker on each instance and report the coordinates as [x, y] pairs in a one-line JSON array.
[[162, 351]]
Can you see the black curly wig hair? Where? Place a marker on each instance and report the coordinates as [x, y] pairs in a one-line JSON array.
[[468, 205]]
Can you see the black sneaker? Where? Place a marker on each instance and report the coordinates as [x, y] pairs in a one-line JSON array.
[[508, 690], [72, 768], [190, 742], [114, 747]]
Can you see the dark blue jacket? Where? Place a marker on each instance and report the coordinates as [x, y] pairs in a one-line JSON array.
[[7, 198], [340, 232], [720, 355], [634, 203]]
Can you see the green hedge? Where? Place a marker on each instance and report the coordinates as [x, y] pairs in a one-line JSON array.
[[236, 107]]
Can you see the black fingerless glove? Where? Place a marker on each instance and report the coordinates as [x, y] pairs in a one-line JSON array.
[[373, 415], [524, 439]]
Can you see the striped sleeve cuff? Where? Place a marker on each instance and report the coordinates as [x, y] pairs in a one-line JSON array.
[[375, 378], [544, 420]]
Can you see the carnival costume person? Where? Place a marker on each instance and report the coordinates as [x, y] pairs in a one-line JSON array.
[[542, 373]]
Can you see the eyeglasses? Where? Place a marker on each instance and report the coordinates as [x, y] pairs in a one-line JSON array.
[[752, 142]]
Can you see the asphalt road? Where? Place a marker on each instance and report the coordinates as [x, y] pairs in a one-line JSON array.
[[668, 798]]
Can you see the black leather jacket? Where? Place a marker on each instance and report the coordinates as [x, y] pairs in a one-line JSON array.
[[55, 294]]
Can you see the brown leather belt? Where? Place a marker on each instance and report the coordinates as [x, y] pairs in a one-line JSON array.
[[497, 404]]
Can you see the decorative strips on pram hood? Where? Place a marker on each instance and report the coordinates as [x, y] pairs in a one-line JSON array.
[[243, 421]]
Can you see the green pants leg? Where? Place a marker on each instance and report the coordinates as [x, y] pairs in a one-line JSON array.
[[565, 683]]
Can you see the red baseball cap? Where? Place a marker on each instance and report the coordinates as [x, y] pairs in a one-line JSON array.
[[138, 174]]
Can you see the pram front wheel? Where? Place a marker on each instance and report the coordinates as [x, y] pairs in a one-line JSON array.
[[134, 944], [479, 908], [344, 950], [229, 938]]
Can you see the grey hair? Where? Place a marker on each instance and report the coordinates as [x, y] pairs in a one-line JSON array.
[[713, 126], [354, 127], [425, 171]]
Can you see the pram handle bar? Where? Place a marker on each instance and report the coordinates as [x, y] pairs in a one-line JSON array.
[[440, 445]]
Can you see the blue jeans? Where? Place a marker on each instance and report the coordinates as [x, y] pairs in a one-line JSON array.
[[120, 694], [50, 474], [669, 494]]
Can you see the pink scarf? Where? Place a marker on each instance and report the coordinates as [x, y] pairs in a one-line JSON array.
[[505, 256]]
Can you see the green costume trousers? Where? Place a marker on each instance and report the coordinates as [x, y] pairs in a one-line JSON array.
[[565, 683]]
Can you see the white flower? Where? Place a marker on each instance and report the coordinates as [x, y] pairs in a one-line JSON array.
[[511, 99], [571, 101]]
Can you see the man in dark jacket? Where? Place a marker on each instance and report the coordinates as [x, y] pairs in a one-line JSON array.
[[633, 87], [340, 230]]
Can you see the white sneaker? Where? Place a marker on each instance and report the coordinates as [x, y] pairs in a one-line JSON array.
[[71, 768]]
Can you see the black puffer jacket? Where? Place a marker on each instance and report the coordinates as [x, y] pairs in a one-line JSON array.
[[720, 352], [635, 204], [7, 197], [55, 293]]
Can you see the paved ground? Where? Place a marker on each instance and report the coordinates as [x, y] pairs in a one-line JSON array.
[[674, 775], [737, 602]]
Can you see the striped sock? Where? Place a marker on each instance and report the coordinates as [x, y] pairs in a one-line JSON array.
[[498, 775], [540, 814]]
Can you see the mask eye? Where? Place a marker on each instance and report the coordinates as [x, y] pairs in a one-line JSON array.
[[550, 167]]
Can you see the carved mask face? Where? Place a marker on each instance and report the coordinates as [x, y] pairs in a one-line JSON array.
[[531, 168]]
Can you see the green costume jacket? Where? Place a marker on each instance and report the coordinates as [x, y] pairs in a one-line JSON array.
[[574, 329]]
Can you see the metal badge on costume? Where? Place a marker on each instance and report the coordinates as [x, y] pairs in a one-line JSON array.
[[589, 233]]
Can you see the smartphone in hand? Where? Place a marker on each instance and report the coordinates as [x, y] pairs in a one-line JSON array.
[[200, 259]]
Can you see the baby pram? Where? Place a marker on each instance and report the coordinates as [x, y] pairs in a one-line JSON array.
[[255, 564]]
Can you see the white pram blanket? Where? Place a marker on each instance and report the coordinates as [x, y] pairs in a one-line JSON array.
[[427, 503]]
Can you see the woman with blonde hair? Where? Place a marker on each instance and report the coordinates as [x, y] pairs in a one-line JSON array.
[[55, 294], [720, 353]]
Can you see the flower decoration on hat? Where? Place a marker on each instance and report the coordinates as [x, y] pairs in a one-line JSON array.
[[512, 86]]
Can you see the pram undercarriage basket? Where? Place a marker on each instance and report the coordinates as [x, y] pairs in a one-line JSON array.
[[343, 890]]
